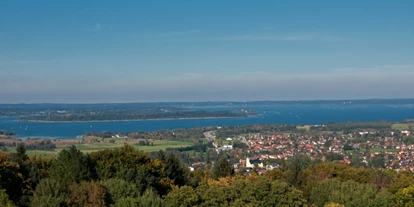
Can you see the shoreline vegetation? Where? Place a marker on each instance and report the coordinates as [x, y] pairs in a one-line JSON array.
[[193, 134], [132, 120], [131, 114]]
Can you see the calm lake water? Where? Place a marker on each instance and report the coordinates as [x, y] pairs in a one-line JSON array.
[[290, 114]]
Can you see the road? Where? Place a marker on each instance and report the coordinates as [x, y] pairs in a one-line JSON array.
[[245, 141], [209, 136]]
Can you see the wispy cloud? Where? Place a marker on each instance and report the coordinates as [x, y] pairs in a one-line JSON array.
[[284, 37], [178, 33], [26, 62], [97, 27], [380, 81], [377, 69]]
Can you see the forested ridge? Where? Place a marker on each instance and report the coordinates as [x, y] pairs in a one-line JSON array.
[[124, 116], [127, 177]]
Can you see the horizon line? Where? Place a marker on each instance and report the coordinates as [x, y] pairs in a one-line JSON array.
[[233, 101]]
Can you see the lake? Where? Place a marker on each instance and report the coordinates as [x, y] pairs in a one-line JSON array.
[[274, 114]]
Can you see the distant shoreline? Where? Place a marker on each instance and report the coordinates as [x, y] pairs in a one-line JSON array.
[[132, 120]]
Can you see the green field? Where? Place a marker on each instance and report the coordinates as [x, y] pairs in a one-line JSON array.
[[383, 150], [86, 148], [400, 127], [304, 128]]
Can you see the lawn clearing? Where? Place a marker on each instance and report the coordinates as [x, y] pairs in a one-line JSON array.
[[303, 128], [92, 147], [383, 150], [400, 127]]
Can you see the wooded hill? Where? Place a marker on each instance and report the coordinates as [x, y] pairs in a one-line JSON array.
[[127, 177]]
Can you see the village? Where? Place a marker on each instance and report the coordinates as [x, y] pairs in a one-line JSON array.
[[262, 152]]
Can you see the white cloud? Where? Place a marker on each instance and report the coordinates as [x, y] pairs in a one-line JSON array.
[[284, 37], [97, 27]]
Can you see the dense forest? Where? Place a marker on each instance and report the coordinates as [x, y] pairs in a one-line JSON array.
[[127, 177]]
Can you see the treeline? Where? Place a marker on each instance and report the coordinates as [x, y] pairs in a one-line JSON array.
[[381, 125], [127, 177], [196, 148], [42, 145], [229, 131], [8, 133], [127, 115], [192, 134]]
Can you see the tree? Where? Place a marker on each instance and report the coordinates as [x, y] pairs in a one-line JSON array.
[[248, 191], [161, 156], [349, 193], [49, 193], [118, 189], [356, 162], [182, 197], [263, 192], [405, 197], [71, 166], [175, 170], [11, 179], [333, 205], [4, 199], [222, 168], [348, 147], [148, 199], [378, 162], [295, 176], [88, 194], [20, 155], [111, 163]]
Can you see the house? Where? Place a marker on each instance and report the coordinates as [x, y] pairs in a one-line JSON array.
[[228, 146], [196, 166], [229, 139], [271, 167], [252, 162]]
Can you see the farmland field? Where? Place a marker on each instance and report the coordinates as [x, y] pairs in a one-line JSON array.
[[400, 127], [91, 147]]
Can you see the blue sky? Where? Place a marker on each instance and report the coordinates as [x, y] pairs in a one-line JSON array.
[[140, 51]]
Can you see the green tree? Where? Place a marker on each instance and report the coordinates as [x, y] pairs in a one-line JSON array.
[[148, 199], [295, 175], [118, 189], [378, 161], [161, 156], [71, 166], [175, 170], [111, 163], [49, 193], [264, 192], [222, 168], [182, 197], [20, 156], [349, 193], [11, 179], [405, 197], [333, 205], [4, 199]]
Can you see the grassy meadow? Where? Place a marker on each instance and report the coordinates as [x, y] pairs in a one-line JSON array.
[[400, 127], [101, 145]]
